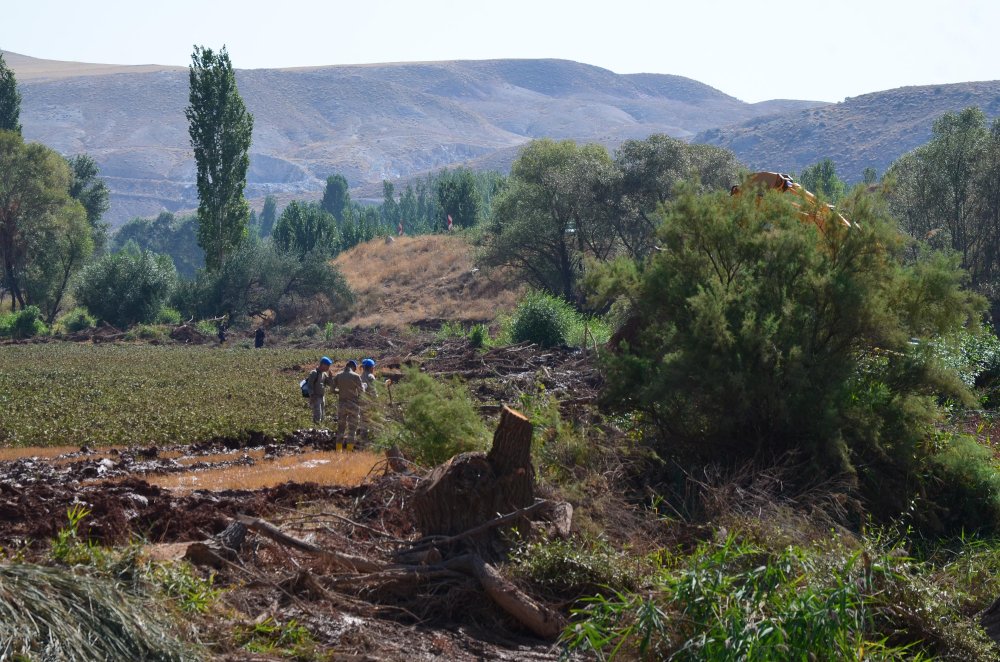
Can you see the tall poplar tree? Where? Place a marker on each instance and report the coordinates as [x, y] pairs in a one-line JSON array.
[[220, 128], [10, 99]]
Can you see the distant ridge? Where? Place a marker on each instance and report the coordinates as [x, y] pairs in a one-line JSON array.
[[865, 131], [367, 122]]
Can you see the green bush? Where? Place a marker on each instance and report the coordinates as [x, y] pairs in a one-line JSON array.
[[25, 323], [127, 288], [75, 320], [479, 336], [962, 490], [571, 569], [542, 319], [439, 419], [168, 315], [755, 335]]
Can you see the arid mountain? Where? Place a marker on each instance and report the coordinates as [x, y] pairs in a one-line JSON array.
[[866, 131], [367, 122]]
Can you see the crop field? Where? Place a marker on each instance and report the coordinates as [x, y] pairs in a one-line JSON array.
[[61, 394]]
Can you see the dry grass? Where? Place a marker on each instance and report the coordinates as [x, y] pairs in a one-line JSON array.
[[324, 467], [416, 279]]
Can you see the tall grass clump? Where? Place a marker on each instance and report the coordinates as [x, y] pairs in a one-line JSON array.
[[56, 614], [438, 419], [962, 490]]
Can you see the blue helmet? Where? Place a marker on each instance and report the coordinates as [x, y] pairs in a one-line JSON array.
[[325, 361], [368, 363]]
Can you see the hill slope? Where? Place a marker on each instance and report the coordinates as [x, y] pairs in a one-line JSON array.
[[367, 122], [426, 279], [866, 131]]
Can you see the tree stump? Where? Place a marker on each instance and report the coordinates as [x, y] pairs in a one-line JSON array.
[[473, 488]]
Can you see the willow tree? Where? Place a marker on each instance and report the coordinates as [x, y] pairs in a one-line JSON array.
[[220, 128]]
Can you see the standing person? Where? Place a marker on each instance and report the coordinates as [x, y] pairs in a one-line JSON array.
[[317, 381], [350, 388], [259, 336], [368, 381], [221, 328]]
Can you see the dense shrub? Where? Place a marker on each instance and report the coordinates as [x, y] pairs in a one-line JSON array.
[[75, 320], [962, 490], [127, 288], [168, 315], [755, 334], [25, 323], [542, 319], [439, 419]]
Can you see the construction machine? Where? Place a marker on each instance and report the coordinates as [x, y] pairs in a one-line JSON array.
[[809, 208]]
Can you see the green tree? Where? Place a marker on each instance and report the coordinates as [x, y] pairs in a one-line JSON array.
[[68, 242], [90, 190], [126, 288], [10, 100], [336, 196], [165, 235], [755, 335], [220, 128], [390, 207], [304, 228], [259, 277], [948, 192], [821, 179], [268, 216], [34, 184], [648, 171], [548, 217], [458, 197]]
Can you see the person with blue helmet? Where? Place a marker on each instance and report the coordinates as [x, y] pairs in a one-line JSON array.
[[317, 381], [368, 380], [350, 389]]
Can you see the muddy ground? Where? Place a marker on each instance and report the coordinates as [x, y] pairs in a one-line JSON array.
[[449, 619]]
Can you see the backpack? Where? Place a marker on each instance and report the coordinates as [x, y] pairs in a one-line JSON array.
[[306, 385]]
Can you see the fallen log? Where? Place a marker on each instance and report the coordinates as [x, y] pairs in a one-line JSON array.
[[533, 615]]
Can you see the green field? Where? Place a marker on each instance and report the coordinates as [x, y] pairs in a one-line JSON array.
[[59, 394]]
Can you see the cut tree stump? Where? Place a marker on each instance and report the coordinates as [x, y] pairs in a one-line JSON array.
[[219, 550], [473, 488]]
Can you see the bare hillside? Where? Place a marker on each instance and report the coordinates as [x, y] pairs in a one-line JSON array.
[[416, 280], [866, 131], [368, 122]]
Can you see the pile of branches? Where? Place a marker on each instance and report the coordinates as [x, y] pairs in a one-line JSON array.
[[566, 371]]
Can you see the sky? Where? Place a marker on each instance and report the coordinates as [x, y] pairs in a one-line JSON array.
[[824, 51]]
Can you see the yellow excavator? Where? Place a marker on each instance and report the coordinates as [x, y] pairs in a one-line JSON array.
[[809, 208]]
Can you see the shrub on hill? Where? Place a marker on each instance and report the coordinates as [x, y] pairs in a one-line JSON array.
[[25, 323], [757, 335], [75, 320], [542, 319]]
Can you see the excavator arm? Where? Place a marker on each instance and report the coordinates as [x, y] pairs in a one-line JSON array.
[[809, 208]]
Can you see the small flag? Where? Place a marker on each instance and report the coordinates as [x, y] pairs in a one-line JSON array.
[[399, 229], [449, 222]]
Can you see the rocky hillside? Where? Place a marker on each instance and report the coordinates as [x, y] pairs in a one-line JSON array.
[[368, 122], [865, 131]]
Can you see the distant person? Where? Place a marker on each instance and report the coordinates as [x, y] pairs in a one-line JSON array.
[[259, 337], [221, 329], [317, 381], [350, 389], [368, 381]]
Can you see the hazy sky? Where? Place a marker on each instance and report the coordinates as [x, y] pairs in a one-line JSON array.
[[751, 50]]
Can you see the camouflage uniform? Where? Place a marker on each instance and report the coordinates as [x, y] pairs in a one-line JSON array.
[[368, 379], [317, 381], [348, 383]]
